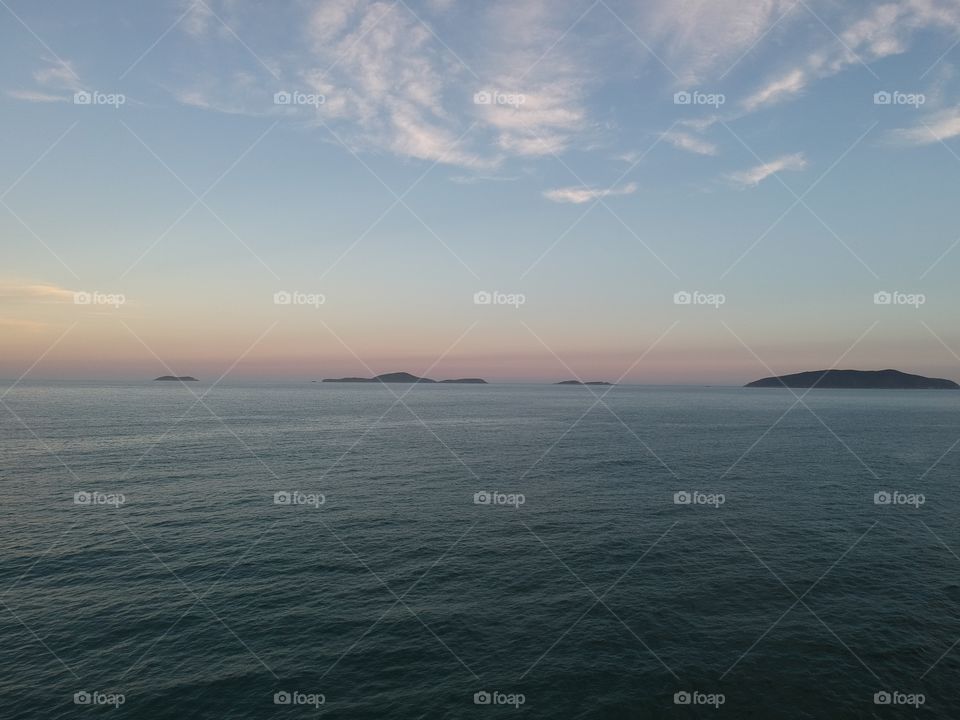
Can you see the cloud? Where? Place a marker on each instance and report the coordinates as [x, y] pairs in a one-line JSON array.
[[690, 143], [20, 324], [57, 82], [59, 75], [197, 17], [36, 96], [779, 89], [392, 83], [755, 175], [384, 75], [885, 30], [228, 95], [18, 292], [935, 128], [701, 38], [583, 194], [396, 86]]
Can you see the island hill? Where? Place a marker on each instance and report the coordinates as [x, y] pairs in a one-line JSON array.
[[856, 380], [580, 382], [403, 377], [175, 378]]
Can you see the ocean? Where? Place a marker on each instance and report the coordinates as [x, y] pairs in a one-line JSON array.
[[301, 550]]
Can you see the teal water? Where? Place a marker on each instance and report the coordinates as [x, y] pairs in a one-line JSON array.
[[400, 597]]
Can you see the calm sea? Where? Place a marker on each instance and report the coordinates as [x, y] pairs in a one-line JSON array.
[[304, 550]]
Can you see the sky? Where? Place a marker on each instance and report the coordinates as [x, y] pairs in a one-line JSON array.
[[667, 191]]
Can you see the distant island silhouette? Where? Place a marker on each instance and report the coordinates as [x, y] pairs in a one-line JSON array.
[[181, 378], [405, 377], [856, 380], [580, 382]]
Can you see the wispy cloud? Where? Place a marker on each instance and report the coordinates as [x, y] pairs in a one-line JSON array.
[[383, 72], [59, 75], [934, 128], [197, 16], [778, 89], [702, 38], [36, 96], [19, 292], [392, 83], [756, 175], [690, 143], [56, 82], [884, 30], [580, 195], [21, 324]]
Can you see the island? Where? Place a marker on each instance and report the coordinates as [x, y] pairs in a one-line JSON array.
[[856, 380], [579, 382], [180, 378], [405, 377]]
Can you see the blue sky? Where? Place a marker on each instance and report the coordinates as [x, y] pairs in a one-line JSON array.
[[432, 150]]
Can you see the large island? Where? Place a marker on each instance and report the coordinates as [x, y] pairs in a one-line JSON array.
[[405, 377], [856, 380], [175, 378]]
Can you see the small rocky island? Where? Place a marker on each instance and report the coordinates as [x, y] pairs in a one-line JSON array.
[[856, 380], [579, 382], [404, 377], [180, 378]]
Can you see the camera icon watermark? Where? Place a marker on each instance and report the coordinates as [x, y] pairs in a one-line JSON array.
[[895, 697], [496, 497], [497, 97], [914, 300], [495, 697], [83, 297], [885, 97], [695, 297], [82, 97], [295, 497], [696, 97], [695, 497], [295, 297], [895, 497], [96, 499], [296, 97], [95, 697], [495, 297], [296, 697], [695, 697]]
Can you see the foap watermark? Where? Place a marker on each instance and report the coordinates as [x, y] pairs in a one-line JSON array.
[[296, 97], [696, 97], [895, 697], [94, 498], [895, 497], [914, 300], [295, 297], [83, 297], [296, 497], [885, 97], [82, 97], [695, 297], [497, 97], [95, 697], [496, 497], [495, 297], [295, 697], [695, 497], [495, 697], [695, 697]]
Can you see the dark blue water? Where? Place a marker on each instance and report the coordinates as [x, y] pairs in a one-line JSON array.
[[400, 597]]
